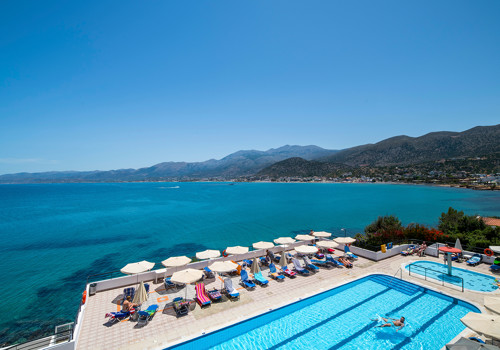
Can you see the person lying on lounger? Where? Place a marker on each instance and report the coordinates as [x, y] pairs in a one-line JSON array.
[[395, 322], [127, 305]]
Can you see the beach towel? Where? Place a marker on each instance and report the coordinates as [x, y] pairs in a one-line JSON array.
[[201, 294]]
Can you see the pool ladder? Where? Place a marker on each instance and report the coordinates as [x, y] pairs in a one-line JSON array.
[[394, 276]]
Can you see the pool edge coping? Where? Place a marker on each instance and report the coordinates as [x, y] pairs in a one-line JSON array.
[[247, 317], [492, 293]]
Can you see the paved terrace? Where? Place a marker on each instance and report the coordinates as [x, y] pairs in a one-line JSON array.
[[166, 329]]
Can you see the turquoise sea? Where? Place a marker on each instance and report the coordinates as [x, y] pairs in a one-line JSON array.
[[55, 235]]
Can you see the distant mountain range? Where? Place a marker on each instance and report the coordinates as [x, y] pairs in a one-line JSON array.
[[241, 163], [480, 141], [405, 150], [301, 161]]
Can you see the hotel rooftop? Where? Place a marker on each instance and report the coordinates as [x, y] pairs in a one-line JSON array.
[[93, 331]]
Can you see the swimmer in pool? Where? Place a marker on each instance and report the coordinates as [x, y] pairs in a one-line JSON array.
[[395, 322]]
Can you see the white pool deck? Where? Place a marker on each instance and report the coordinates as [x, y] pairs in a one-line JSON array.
[[166, 329]]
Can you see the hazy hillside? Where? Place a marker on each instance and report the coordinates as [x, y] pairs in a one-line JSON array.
[[236, 164], [404, 150]]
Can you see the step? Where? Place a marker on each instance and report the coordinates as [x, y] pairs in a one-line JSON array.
[[397, 284]]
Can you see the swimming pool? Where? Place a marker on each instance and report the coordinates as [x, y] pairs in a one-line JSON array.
[[472, 280], [341, 319]]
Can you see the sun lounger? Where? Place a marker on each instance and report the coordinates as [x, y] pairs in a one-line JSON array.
[[208, 273], [457, 257], [214, 294], [260, 279], [273, 257], [119, 316], [129, 292], [476, 259], [309, 265], [321, 263], [273, 273], [409, 251], [263, 261], [147, 315], [181, 306], [349, 254], [287, 272], [495, 268], [229, 289], [245, 281], [332, 260], [331, 250], [248, 262], [169, 284], [201, 295], [298, 267]]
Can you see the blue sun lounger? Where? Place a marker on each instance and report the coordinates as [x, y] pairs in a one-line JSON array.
[[245, 281], [273, 257], [330, 259], [260, 279], [208, 273], [298, 267], [274, 273], [348, 253], [129, 292], [248, 262], [322, 263], [495, 268], [476, 259], [147, 315], [309, 265]]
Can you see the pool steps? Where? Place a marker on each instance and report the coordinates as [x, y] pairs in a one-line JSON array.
[[397, 284]]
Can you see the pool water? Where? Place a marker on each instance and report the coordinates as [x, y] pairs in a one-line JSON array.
[[341, 319], [472, 280]]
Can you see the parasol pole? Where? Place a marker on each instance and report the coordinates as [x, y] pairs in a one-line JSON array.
[[449, 263]]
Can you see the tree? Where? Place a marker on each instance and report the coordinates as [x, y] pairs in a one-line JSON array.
[[448, 222], [388, 223]]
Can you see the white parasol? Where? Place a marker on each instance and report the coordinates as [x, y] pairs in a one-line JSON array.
[[141, 295], [263, 245], [304, 238], [176, 261], [137, 267], [306, 249], [492, 303], [344, 240], [284, 240], [208, 254], [236, 250], [322, 234], [327, 244], [488, 325]]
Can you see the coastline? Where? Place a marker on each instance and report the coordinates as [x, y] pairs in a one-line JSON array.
[[474, 188]]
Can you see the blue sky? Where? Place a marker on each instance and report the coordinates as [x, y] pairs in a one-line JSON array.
[[104, 85]]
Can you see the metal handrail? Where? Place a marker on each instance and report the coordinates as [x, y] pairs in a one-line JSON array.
[[425, 274], [400, 270], [43, 342], [102, 274]]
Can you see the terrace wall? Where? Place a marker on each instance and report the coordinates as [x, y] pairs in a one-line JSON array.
[[160, 273]]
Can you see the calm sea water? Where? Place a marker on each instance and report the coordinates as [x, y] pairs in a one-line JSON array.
[[55, 235]]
